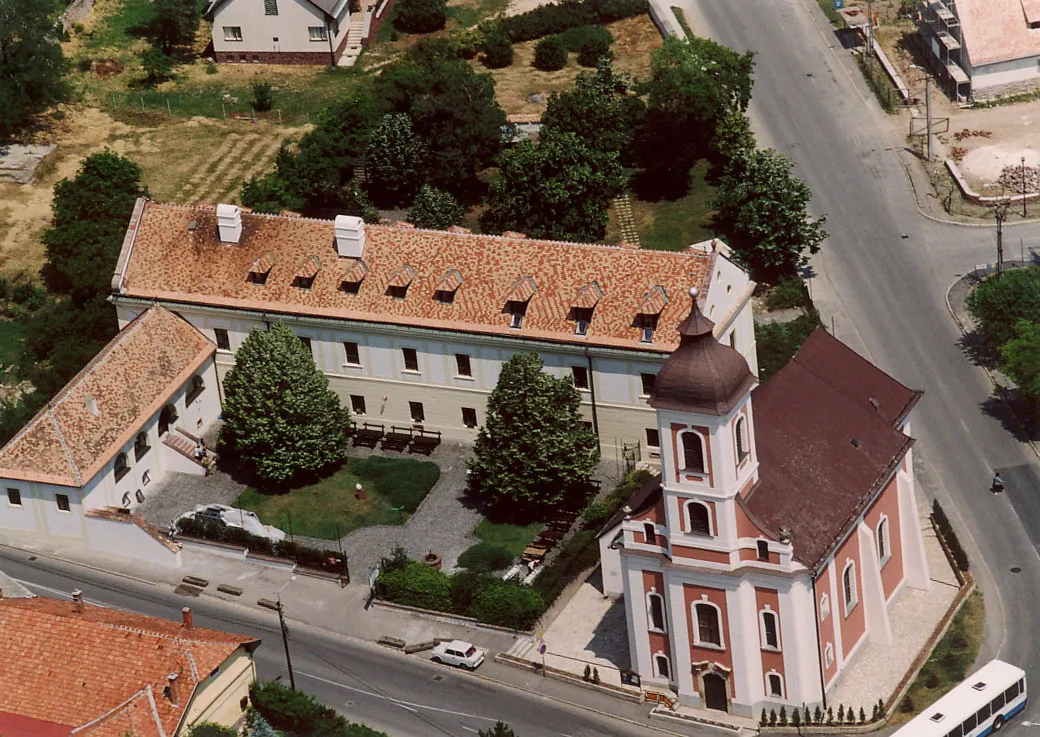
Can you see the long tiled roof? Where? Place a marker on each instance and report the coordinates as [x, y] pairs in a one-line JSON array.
[[98, 412], [824, 452], [174, 254], [101, 671], [998, 30]]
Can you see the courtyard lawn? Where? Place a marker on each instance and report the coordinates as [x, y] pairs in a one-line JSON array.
[[670, 224], [328, 508], [513, 538]]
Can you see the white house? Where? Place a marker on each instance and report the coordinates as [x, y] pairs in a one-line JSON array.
[[279, 31], [129, 417], [412, 326], [780, 533]]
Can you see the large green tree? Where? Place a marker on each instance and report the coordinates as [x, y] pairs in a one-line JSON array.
[[999, 304], [393, 165], [601, 110], [535, 449], [31, 61], [762, 209], [1020, 358], [91, 215], [559, 189], [280, 417], [420, 16], [175, 22], [435, 209], [454, 110]]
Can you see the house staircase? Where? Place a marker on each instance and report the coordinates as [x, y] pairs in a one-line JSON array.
[[524, 648], [357, 30], [183, 442]]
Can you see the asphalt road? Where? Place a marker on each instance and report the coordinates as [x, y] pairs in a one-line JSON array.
[[883, 276], [406, 696]]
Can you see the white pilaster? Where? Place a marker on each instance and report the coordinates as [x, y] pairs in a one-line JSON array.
[[875, 612], [635, 611], [679, 636], [915, 564], [744, 644], [837, 607]]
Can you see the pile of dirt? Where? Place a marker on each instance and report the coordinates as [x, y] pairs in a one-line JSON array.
[[1012, 176], [107, 68]]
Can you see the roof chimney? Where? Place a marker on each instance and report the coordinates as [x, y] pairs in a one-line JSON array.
[[170, 691], [229, 223], [77, 600], [350, 236], [189, 620]]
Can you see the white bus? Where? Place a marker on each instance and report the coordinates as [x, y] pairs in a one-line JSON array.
[[982, 704]]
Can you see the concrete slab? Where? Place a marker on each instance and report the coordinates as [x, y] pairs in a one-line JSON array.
[[18, 163]]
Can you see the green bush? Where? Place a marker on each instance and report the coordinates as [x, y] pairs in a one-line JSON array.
[[420, 16], [788, 294], [485, 556], [550, 55], [943, 523], [403, 482], [574, 38], [211, 729], [593, 50], [465, 587], [263, 95], [546, 20], [498, 49], [416, 585], [508, 604], [435, 209], [158, 67], [779, 341], [580, 553], [998, 304], [596, 514], [294, 712]]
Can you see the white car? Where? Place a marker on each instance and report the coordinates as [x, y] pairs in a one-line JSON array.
[[458, 653], [231, 517]]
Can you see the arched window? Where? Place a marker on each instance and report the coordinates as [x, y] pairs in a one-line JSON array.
[[770, 629], [693, 452], [167, 417], [708, 630], [825, 607], [650, 533], [662, 667], [884, 551], [775, 684], [141, 446], [699, 517], [195, 387], [122, 467], [848, 580], [655, 611], [828, 654], [743, 446]]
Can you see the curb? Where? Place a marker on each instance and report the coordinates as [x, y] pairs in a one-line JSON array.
[[666, 715]]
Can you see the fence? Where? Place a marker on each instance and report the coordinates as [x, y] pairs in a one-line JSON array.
[[206, 105]]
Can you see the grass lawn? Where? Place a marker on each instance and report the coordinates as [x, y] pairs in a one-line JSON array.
[[950, 662], [328, 509], [671, 225], [513, 538]]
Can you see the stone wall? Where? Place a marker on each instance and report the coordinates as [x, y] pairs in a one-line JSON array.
[[315, 58]]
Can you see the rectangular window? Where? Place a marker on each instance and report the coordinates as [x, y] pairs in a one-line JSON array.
[[650, 533], [232, 33], [969, 724], [763, 550], [997, 704], [417, 412], [411, 359], [581, 377], [462, 365], [647, 381], [223, 341], [318, 33], [270, 7], [357, 404], [955, 732], [1012, 693], [982, 714], [353, 354], [62, 501], [469, 417], [653, 438], [14, 497]]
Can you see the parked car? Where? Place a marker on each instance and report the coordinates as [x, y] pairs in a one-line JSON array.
[[458, 653], [231, 517]]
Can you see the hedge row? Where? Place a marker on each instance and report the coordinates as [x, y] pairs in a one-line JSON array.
[[943, 523], [487, 598], [558, 17], [330, 561], [295, 714]]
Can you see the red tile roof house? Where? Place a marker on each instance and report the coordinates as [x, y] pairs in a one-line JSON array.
[[75, 669], [412, 326], [781, 531], [129, 417]]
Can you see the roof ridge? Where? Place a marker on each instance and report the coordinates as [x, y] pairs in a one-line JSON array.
[[66, 451], [155, 709], [116, 709]]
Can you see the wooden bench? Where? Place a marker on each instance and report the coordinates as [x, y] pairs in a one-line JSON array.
[[368, 434], [398, 438], [425, 441]]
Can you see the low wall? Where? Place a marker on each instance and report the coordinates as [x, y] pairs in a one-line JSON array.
[[664, 18], [445, 617], [634, 695], [969, 194], [315, 58], [126, 539]]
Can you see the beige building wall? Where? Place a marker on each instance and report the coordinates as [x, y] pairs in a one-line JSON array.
[[220, 697]]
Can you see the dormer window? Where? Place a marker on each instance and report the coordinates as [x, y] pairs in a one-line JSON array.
[[650, 308], [582, 318], [447, 286], [519, 295], [585, 302], [516, 310], [350, 281], [399, 282], [304, 276], [261, 269]]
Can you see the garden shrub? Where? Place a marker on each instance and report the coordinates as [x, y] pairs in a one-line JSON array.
[[943, 523], [263, 95], [596, 514], [420, 16], [207, 529], [508, 604], [403, 482], [465, 587], [291, 711], [212, 729], [789, 293], [416, 585], [498, 49], [998, 304], [779, 341], [574, 38], [485, 556], [549, 19], [580, 553], [550, 55], [592, 51]]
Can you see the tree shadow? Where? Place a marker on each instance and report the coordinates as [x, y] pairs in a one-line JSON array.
[[977, 349], [652, 185], [1017, 416]]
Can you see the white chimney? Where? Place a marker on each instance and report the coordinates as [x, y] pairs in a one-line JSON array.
[[229, 223], [350, 236]]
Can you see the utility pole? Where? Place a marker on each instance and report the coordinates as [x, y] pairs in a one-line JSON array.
[[1000, 243], [928, 112], [1023, 186], [870, 29], [285, 641]]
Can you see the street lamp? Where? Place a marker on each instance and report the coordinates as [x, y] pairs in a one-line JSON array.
[[1023, 186], [1001, 206], [927, 108]]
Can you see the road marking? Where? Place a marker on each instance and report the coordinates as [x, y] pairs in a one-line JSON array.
[[470, 729], [56, 592], [411, 706]]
